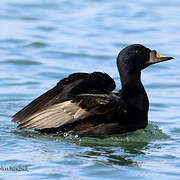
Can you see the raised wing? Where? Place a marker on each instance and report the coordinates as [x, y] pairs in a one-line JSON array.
[[61, 105]]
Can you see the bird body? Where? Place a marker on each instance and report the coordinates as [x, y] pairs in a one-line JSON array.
[[86, 104]]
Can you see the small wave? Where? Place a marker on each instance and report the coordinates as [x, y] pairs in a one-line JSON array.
[[21, 62], [151, 132], [37, 44]]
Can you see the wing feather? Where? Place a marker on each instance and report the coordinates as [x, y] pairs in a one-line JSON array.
[[61, 105], [55, 116]]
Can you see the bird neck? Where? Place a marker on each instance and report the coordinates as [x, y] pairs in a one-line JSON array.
[[136, 99], [131, 81]]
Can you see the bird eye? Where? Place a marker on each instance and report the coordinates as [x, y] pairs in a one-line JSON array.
[[138, 52]]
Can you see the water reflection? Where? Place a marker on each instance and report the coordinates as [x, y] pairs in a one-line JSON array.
[[119, 150]]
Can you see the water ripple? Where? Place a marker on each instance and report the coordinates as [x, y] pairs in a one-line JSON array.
[[44, 41]]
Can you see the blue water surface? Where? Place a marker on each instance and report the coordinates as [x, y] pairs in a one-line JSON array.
[[43, 41]]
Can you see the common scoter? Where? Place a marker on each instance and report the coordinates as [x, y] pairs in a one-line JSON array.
[[85, 104]]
